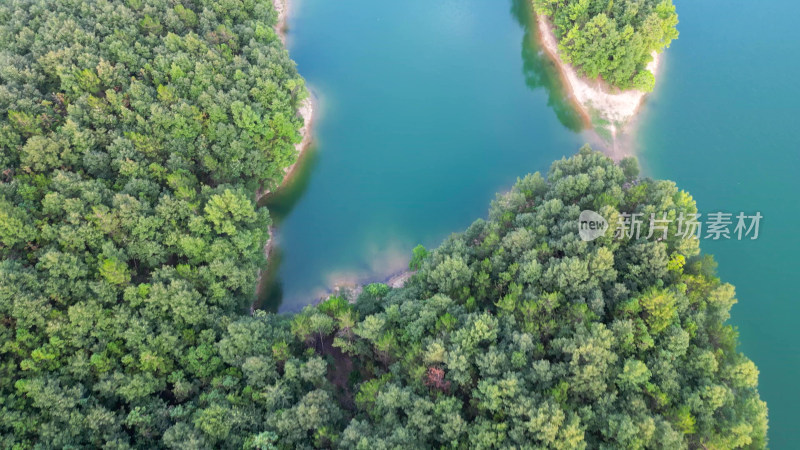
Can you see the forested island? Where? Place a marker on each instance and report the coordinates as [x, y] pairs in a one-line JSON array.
[[135, 135], [607, 52]]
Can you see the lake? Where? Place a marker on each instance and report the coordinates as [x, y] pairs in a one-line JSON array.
[[426, 109]]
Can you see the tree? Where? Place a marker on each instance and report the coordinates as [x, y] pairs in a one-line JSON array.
[[418, 256]]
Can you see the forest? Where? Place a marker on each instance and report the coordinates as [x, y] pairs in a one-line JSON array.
[[134, 135], [613, 40]]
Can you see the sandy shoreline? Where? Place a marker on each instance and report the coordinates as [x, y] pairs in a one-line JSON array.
[[306, 111], [307, 106], [282, 8], [594, 99], [351, 291]]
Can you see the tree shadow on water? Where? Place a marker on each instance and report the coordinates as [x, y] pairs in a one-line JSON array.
[[269, 292], [540, 71], [281, 202]]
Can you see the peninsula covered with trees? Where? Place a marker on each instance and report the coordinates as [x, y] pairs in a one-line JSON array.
[[133, 136], [612, 39]]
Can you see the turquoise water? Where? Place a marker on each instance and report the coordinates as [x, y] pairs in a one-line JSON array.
[[429, 108], [723, 124]]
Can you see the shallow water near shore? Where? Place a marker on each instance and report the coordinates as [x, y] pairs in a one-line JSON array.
[[429, 108]]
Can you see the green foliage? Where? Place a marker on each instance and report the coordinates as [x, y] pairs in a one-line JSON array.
[[114, 271], [659, 308], [630, 167], [612, 39], [378, 290], [418, 256], [132, 136]]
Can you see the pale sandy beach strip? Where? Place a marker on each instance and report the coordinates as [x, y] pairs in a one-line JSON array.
[[594, 98]]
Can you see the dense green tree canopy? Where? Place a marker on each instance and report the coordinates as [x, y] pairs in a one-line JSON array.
[[133, 134], [612, 39]]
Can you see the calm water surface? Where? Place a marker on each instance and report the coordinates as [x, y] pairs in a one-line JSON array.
[[427, 108]]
